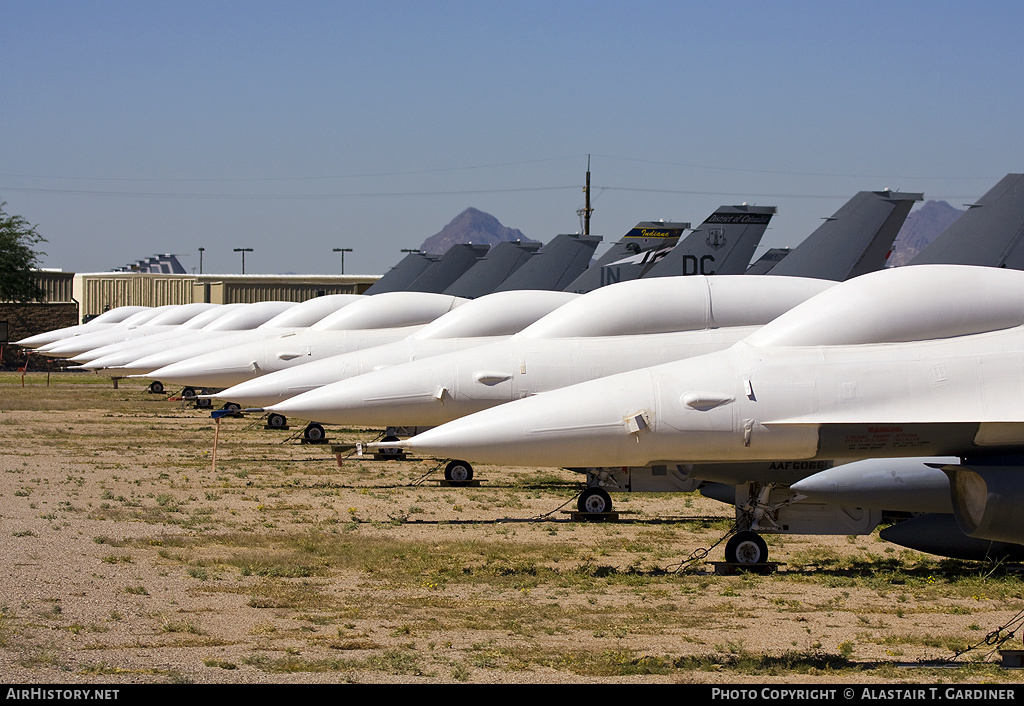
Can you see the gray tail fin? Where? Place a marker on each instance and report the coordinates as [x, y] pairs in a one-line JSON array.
[[767, 261], [402, 275], [633, 255], [557, 264], [854, 241], [495, 267], [723, 244], [452, 265], [990, 233]]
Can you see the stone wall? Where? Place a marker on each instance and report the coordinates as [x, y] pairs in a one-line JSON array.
[[23, 320]]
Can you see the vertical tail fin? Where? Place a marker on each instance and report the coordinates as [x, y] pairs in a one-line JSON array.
[[495, 267], [452, 265], [557, 264], [629, 258], [402, 275], [854, 241], [723, 244], [991, 233]]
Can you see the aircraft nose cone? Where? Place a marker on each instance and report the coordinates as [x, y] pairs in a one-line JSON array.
[[417, 394], [346, 402], [577, 426], [263, 392], [99, 363], [206, 371], [281, 385]]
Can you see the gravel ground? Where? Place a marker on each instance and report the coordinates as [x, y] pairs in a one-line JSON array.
[[135, 554]]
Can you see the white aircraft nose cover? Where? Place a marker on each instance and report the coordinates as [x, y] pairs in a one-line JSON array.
[[670, 304], [249, 316], [497, 314], [913, 303], [307, 313], [390, 310]]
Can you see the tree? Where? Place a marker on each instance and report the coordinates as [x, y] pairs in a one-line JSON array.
[[18, 259]]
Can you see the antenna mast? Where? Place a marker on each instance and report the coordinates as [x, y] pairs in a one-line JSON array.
[[586, 210]]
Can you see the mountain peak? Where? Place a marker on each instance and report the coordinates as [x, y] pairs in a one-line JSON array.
[[922, 226], [472, 226]]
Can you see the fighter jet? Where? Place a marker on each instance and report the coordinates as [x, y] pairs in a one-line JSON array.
[[894, 363], [485, 320], [155, 320], [104, 320], [155, 341], [988, 234], [643, 246], [372, 321], [225, 317], [619, 327], [228, 320], [548, 269], [867, 219]]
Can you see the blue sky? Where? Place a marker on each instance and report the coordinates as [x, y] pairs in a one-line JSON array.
[[134, 128]]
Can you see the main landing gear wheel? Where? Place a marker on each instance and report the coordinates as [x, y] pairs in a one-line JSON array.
[[458, 473], [156, 387], [314, 432], [391, 454], [594, 501], [746, 548], [277, 421]]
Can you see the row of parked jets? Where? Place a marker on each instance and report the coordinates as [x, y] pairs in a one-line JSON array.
[[815, 390]]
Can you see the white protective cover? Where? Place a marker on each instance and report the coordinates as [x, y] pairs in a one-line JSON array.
[[671, 304], [601, 333], [918, 371], [104, 320], [67, 348], [381, 318], [491, 317], [390, 310]]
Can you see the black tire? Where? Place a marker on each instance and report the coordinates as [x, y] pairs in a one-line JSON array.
[[458, 473], [594, 501], [204, 403], [277, 421], [395, 453], [314, 432], [746, 548], [232, 407], [188, 392], [156, 387]]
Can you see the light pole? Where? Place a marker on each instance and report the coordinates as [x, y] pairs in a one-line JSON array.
[[343, 251], [201, 250], [243, 251]]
